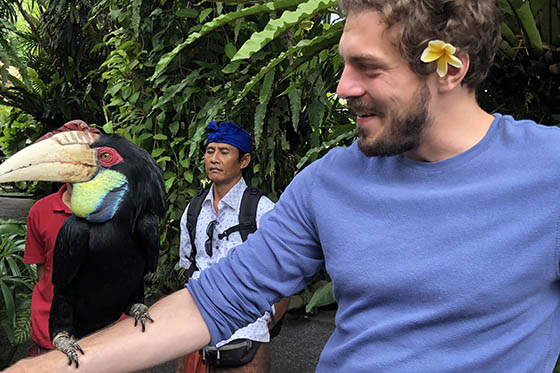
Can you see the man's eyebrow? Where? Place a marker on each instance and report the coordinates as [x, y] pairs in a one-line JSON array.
[[364, 57]]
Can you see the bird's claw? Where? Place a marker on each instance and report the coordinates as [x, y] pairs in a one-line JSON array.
[[140, 313], [67, 344]]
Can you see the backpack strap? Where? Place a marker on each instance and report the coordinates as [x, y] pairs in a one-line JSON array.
[[247, 214], [192, 217]]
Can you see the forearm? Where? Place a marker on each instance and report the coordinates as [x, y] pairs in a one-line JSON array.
[[178, 330], [41, 268]]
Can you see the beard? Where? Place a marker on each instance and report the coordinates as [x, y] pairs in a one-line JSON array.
[[404, 129]]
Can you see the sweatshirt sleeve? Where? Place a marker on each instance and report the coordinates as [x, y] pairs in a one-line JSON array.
[[276, 261]]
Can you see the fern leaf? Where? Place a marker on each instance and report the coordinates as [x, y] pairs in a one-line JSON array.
[[23, 322]]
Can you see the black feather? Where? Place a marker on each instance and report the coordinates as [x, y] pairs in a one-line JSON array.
[[98, 268]]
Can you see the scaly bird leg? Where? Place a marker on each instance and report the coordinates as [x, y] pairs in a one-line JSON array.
[[67, 344], [140, 312]]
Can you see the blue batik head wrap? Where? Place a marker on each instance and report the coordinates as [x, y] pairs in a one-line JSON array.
[[230, 133]]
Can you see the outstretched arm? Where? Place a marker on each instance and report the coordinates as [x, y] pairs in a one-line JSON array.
[[178, 330]]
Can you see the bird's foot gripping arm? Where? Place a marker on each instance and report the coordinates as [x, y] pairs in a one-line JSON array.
[[140, 313], [67, 344]]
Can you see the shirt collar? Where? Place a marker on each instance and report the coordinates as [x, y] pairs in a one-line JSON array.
[[59, 205], [230, 198]]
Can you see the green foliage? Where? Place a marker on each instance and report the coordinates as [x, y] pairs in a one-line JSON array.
[[524, 80], [277, 26], [16, 284], [219, 21], [17, 129], [9, 56], [55, 80], [322, 297]]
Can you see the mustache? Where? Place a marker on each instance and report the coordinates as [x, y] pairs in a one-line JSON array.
[[361, 105]]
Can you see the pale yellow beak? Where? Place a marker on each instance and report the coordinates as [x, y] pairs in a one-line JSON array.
[[65, 157]]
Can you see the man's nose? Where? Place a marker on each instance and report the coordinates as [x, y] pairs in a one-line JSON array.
[[350, 84], [214, 158]]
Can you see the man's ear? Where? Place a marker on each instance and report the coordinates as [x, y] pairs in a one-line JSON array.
[[454, 75], [245, 159]]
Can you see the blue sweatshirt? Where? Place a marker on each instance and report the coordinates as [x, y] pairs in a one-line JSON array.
[[448, 266]]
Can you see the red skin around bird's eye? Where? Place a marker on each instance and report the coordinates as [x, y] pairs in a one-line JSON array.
[[108, 157]]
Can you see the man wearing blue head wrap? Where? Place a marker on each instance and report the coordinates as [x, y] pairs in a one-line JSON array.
[[230, 133], [228, 153]]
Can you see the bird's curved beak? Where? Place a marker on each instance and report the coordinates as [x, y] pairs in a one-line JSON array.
[[65, 157]]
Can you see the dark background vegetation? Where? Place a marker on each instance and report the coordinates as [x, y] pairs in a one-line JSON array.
[[156, 72]]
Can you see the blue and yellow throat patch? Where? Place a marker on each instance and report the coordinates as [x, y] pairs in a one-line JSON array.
[[99, 199]]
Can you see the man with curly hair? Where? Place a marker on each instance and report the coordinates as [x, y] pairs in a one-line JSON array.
[[438, 227]]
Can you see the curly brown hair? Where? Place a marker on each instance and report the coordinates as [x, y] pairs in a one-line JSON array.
[[472, 26]]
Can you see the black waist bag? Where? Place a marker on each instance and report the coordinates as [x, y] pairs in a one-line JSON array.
[[231, 355]]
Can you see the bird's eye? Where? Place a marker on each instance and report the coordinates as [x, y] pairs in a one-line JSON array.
[[106, 156]]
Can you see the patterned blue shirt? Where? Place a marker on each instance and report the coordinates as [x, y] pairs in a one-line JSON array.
[[227, 216]]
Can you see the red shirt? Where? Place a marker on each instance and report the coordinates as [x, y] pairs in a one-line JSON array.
[[43, 223]]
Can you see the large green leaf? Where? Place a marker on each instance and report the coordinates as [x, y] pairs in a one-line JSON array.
[[12, 228], [303, 48], [322, 297], [277, 26], [524, 15], [8, 300], [508, 35]]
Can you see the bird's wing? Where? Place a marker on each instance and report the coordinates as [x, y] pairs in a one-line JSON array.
[[147, 233], [70, 250]]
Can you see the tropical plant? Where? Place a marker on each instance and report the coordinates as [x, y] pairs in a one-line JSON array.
[[55, 80], [525, 78], [9, 55], [16, 284], [16, 128]]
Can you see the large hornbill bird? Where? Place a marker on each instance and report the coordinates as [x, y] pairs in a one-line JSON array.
[[110, 242]]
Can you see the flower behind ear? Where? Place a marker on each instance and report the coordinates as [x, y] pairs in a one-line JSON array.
[[443, 53]]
